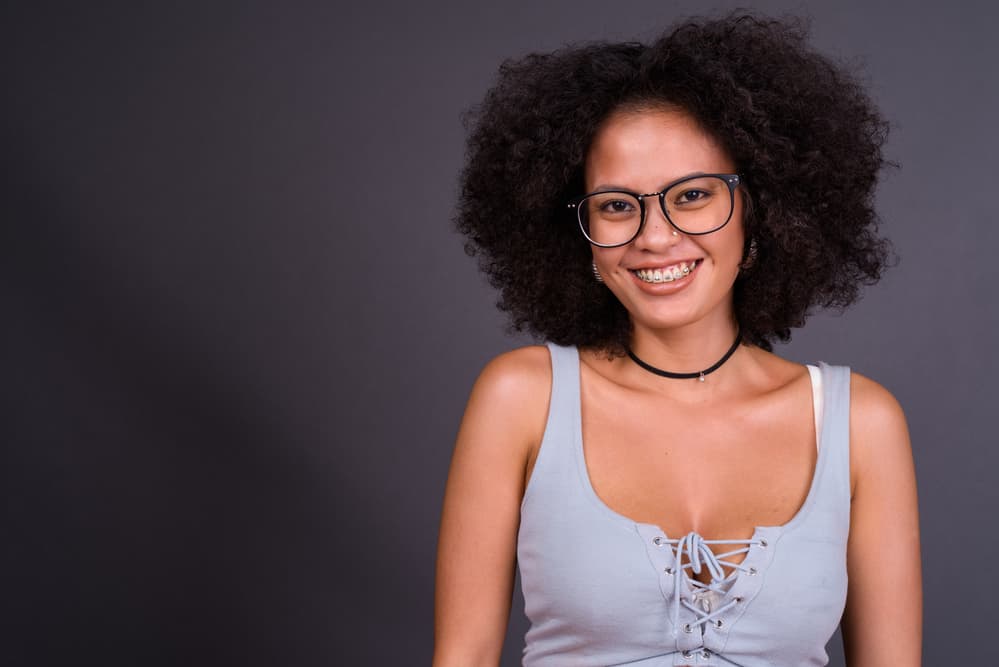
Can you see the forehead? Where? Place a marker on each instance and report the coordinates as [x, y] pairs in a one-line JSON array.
[[646, 149]]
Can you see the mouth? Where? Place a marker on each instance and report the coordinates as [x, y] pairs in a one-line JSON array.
[[666, 274]]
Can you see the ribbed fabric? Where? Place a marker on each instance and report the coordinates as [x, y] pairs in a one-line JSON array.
[[601, 589]]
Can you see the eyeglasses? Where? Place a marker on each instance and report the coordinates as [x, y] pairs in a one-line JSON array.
[[694, 205]]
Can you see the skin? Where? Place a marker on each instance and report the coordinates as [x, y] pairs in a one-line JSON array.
[[648, 440]]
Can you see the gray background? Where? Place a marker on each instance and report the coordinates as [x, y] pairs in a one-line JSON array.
[[238, 332]]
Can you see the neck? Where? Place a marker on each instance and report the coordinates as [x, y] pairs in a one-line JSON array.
[[688, 349]]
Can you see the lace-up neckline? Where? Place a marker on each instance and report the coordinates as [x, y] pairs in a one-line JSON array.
[[706, 600]]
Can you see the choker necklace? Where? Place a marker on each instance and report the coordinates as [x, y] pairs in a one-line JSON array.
[[689, 376]]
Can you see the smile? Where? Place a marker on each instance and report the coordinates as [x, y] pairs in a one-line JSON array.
[[666, 274]]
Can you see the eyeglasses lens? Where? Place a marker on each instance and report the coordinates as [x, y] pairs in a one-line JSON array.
[[696, 206]]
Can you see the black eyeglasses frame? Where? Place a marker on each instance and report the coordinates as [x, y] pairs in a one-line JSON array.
[[732, 180]]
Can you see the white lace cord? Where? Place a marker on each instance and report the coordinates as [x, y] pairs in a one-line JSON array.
[[700, 554]]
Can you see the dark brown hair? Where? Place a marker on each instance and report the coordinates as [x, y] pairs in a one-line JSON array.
[[803, 133]]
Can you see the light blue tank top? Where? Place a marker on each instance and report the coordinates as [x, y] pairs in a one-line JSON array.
[[601, 589]]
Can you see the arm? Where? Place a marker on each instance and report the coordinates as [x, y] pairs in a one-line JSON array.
[[882, 625], [476, 553]]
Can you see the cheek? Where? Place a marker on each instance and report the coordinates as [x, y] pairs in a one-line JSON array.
[[606, 259], [731, 246], [608, 263]]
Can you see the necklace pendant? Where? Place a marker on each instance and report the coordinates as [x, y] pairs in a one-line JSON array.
[[702, 377]]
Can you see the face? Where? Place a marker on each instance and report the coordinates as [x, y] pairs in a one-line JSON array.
[[644, 151]]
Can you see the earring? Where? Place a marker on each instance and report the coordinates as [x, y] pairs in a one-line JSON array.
[[676, 233], [750, 258], [596, 273]]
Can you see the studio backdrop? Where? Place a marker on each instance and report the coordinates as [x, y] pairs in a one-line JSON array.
[[239, 331]]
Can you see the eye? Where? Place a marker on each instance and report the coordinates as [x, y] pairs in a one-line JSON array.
[[617, 206], [692, 196], [612, 206]]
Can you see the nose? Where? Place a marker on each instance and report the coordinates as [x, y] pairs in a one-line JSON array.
[[658, 231]]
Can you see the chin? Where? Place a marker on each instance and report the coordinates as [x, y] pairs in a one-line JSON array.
[[676, 315], [660, 321]]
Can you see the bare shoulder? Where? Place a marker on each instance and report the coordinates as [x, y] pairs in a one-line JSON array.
[[517, 383], [511, 375], [879, 434], [511, 395], [873, 408]]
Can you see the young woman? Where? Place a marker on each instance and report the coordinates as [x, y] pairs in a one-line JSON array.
[[672, 491]]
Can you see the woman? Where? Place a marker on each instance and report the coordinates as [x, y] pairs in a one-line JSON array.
[[672, 491]]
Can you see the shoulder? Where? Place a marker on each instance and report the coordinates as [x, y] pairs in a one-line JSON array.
[[872, 407], [511, 394], [517, 382], [511, 374], [879, 435]]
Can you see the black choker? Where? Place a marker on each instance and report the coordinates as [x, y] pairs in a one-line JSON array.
[[689, 376]]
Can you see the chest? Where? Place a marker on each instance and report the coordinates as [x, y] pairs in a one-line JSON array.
[[697, 468]]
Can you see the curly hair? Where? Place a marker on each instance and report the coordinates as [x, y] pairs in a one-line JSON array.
[[802, 131]]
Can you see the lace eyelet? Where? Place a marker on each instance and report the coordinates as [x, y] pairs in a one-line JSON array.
[[738, 599], [763, 544], [705, 653], [752, 572], [719, 623], [688, 654], [658, 541], [669, 570], [687, 628]]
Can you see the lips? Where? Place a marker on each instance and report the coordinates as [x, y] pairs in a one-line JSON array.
[[666, 273]]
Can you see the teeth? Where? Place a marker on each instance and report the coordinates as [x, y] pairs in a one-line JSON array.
[[666, 275]]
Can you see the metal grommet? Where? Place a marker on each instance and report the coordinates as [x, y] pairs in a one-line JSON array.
[[668, 570], [658, 541], [688, 654], [687, 628], [719, 623], [738, 599], [752, 572], [705, 653], [763, 544]]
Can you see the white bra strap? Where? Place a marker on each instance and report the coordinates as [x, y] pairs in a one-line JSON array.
[[816, 376]]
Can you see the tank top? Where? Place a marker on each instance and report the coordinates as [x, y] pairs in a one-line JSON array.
[[601, 589]]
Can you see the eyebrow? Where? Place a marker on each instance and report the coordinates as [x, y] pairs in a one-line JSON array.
[[621, 188]]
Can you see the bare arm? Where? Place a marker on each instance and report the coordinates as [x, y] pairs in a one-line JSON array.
[[882, 625], [476, 552]]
